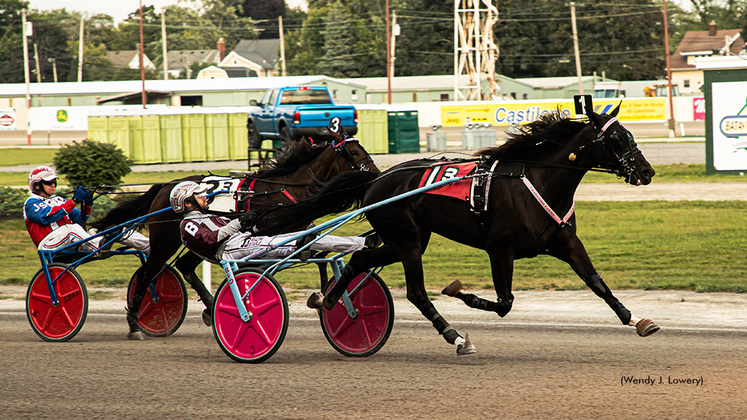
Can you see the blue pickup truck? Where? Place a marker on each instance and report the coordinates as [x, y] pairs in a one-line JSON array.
[[290, 113]]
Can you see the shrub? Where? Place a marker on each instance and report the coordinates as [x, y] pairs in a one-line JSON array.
[[11, 202], [90, 163]]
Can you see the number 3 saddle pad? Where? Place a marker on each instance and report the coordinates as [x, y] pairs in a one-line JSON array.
[[440, 171]]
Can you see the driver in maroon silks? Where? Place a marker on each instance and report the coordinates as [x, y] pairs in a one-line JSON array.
[[216, 238]]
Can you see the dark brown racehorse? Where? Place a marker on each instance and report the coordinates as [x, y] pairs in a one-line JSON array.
[[550, 156], [292, 176]]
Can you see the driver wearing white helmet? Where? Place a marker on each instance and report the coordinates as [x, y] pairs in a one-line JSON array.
[[53, 222], [216, 238]]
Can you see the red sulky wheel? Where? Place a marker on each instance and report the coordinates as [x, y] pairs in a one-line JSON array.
[[61, 322], [163, 314]]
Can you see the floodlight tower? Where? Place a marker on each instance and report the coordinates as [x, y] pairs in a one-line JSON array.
[[475, 52]]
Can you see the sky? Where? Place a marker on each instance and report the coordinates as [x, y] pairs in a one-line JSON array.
[[118, 9]]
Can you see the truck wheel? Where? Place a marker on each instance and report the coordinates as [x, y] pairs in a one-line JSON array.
[[285, 138], [254, 141]]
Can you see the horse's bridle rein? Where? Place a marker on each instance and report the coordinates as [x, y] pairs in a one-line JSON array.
[[341, 151]]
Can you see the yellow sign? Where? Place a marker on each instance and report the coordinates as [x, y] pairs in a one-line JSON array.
[[62, 115], [523, 112]]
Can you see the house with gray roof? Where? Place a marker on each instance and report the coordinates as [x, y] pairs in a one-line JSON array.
[[180, 62], [129, 60], [260, 55]]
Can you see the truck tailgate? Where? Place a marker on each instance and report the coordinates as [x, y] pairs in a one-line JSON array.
[[312, 116]]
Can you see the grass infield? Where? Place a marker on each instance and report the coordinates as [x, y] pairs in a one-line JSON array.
[[651, 245]]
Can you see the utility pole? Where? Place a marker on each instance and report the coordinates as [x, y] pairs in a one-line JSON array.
[[165, 51], [26, 33], [395, 33], [142, 66], [282, 44], [388, 58], [575, 49], [80, 52], [669, 72], [36, 59], [54, 67]]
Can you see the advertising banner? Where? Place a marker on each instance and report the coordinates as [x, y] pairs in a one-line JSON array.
[[59, 118], [522, 112], [729, 122], [699, 109], [8, 119]]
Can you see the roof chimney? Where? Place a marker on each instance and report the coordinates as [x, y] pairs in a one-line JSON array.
[[712, 29], [221, 49]]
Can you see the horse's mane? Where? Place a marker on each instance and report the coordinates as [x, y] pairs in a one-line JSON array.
[[298, 154], [535, 138]]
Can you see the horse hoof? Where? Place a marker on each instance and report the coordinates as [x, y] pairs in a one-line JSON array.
[[136, 335], [206, 318], [452, 289], [467, 347], [315, 301], [646, 327]]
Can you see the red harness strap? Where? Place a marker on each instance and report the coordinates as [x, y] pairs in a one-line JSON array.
[[251, 188]]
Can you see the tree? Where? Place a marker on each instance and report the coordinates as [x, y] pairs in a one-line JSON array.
[[339, 44], [53, 37], [305, 49], [129, 32], [265, 13], [426, 42], [11, 47], [624, 40]]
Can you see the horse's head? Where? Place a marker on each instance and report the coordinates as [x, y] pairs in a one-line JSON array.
[[618, 150], [355, 157], [349, 150]]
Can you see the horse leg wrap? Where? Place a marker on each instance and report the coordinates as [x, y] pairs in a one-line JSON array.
[[596, 284], [441, 325], [500, 306], [131, 319]]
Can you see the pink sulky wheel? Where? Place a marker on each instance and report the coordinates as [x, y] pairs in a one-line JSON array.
[[365, 334], [256, 340]]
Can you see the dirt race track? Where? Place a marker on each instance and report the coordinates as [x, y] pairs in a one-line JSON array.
[[557, 355]]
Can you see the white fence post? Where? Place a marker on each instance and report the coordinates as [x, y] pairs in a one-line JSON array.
[[207, 276]]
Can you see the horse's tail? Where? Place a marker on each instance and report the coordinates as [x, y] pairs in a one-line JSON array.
[[344, 191], [129, 209]]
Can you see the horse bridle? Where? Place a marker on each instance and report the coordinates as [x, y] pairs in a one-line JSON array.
[[627, 159], [341, 151]]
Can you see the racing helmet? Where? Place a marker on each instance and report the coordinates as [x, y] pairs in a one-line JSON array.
[[182, 192], [41, 173]]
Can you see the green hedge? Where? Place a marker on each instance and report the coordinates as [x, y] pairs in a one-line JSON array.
[[91, 163]]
